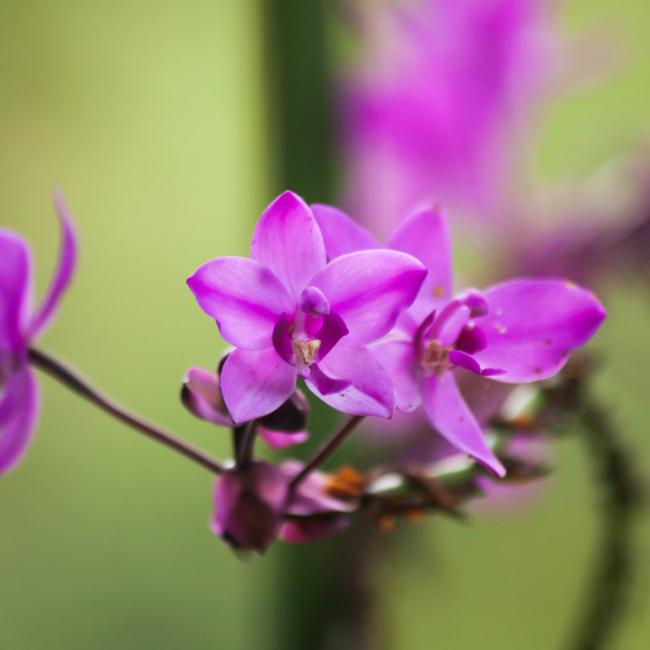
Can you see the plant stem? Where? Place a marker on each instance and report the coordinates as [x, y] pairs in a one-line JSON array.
[[608, 593], [245, 439], [71, 380], [326, 450]]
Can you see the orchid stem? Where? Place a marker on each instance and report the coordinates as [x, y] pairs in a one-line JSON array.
[[326, 450], [245, 439], [71, 380]]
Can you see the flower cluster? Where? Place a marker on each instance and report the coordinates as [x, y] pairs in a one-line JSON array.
[[370, 330]]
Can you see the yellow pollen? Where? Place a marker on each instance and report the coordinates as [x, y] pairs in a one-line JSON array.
[[306, 351]]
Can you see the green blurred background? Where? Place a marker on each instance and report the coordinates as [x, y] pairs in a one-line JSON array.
[[159, 121]]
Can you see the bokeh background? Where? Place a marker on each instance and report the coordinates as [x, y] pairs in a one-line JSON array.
[[166, 123]]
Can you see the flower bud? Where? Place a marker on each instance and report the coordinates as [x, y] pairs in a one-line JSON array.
[[201, 396], [250, 503]]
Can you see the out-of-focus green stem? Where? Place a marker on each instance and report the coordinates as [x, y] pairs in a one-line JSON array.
[[322, 600]]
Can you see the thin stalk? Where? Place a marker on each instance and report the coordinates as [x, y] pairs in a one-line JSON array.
[[326, 450], [244, 444], [71, 380], [608, 593]]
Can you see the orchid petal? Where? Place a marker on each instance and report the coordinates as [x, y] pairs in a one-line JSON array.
[[330, 333], [533, 325], [341, 234], [450, 323], [471, 339], [15, 283], [18, 415], [325, 385], [64, 271], [282, 439], [255, 383], [370, 390], [369, 289], [398, 360], [425, 235], [288, 240], [451, 417], [243, 296], [468, 362]]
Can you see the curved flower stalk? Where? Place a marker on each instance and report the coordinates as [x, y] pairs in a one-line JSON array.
[[519, 331], [20, 326], [289, 313]]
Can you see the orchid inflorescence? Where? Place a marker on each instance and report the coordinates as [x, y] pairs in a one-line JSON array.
[[372, 331]]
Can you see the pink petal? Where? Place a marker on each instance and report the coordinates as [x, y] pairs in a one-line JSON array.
[[282, 439], [243, 296], [369, 289], [450, 416], [468, 362], [369, 390], [255, 383], [64, 271], [341, 233], [398, 360], [288, 240], [15, 298], [533, 325], [449, 324], [18, 415], [425, 235]]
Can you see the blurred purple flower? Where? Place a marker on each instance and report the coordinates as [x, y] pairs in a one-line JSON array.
[[254, 505], [19, 327], [515, 332], [435, 110], [291, 314]]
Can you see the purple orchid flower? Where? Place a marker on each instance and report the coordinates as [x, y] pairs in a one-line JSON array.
[[516, 332], [290, 314], [431, 113], [255, 505], [19, 327]]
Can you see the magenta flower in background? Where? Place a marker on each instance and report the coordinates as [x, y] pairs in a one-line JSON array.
[[435, 110], [19, 327], [515, 332], [291, 314]]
